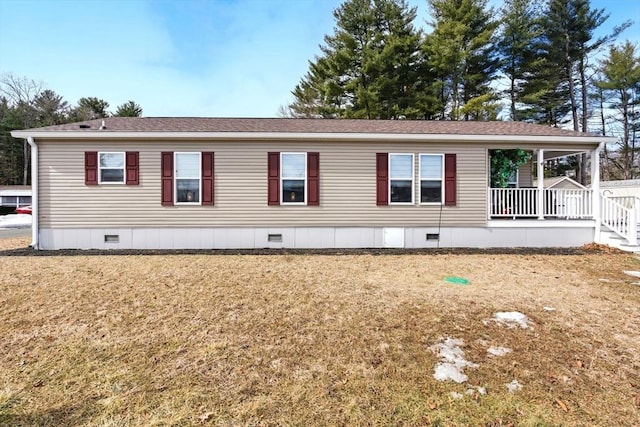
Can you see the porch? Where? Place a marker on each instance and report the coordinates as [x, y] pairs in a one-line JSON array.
[[546, 203]]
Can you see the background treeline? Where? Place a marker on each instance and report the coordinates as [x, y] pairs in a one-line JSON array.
[[537, 61], [25, 104], [530, 60]]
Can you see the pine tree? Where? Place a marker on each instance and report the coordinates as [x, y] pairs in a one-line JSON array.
[[90, 108], [516, 46], [129, 109], [461, 52], [369, 68], [51, 109], [621, 81]]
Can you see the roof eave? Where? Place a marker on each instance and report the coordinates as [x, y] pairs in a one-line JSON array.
[[310, 136]]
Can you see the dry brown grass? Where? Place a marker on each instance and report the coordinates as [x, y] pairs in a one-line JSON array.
[[14, 242], [315, 340]]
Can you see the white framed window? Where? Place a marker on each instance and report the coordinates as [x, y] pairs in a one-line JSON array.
[[293, 178], [401, 175], [514, 179], [431, 179], [111, 168], [187, 177]]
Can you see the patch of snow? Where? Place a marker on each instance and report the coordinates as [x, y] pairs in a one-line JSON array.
[[448, 371], [456, 395], [512, 319], [548, 309], [514, 386], [632, 273], [498, 351], [452, 361], [480, 390], [15, 221]]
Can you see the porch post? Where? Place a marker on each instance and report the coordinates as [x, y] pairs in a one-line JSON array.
[[540, 191], [595, 190]]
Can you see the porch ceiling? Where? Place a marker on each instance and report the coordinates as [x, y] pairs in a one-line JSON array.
[[551, 154]]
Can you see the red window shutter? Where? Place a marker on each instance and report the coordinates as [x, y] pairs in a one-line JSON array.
[[382, 179], [131, 159], [167, 178], [207, 178], [313, 179], [91, 168], [273, 178], [450, 180]]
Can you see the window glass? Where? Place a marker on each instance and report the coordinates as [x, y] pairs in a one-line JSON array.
[[187, 177], [294, 175], [111, 175], [431, 178], [188, 190], [431, 192], [111, 160], [10, 200], [401, 191], [430, 166], [293, 191], [187, 165], [293, 166], [512, 181], [111, 167], [401, 166], [401, 178]]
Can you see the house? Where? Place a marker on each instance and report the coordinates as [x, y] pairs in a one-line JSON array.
[[14, 196], [154, 183], [621, 188]]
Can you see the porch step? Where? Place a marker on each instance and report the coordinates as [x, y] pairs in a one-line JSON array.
[[608, 237]]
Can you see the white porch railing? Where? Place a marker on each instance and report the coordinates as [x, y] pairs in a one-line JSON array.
[[620, 218], [568, 203], [523, 203], [629, 202]]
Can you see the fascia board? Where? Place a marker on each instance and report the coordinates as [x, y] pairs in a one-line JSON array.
[[287, 136]]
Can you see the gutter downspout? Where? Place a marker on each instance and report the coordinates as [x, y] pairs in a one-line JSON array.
[[34, 193], [595, 190]]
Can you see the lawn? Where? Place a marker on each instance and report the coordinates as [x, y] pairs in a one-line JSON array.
[[317, 340]]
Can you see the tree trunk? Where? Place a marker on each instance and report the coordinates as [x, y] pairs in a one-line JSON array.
[[513, 99], [583, 93]]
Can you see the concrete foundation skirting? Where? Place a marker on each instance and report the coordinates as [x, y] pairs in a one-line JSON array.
[[316, 237]]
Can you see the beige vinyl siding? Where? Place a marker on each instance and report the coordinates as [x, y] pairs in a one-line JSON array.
[[525, 174], [347, 187]]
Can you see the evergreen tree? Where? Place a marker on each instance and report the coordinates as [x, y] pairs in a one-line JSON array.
[[621, 81], [51, 109], [461, 52], [128, 109], [369, 68], [570, 27], [517, 49], [89, 108]]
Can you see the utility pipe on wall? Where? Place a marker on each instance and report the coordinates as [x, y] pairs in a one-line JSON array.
[[34, 192]]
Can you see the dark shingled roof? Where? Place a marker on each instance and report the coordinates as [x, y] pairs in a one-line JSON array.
[[282, 125]]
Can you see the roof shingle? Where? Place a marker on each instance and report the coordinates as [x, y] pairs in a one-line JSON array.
[[286, 125]]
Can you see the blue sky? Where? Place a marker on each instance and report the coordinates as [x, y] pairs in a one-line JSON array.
[[227, 58]]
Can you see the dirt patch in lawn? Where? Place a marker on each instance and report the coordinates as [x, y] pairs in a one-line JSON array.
[[317, 340]]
